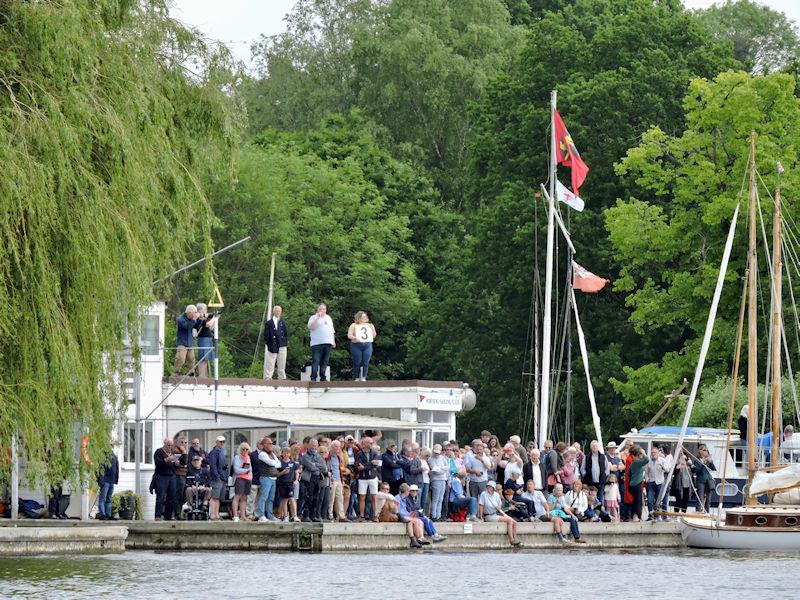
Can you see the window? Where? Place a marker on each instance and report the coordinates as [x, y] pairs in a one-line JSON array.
[[440, 437], [149, 339], [129, 442]]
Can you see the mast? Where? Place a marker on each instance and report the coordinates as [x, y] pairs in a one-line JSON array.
[[776, 323], [544, 402], [752, 330]]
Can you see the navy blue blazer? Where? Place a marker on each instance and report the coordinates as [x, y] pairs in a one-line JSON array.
[[276, 339]]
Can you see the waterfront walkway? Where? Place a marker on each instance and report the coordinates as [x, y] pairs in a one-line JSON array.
[[316, 537]]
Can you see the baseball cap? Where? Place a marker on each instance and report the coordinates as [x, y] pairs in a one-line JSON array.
[[220, 438], [413, 487], [197, 457], [611, 445], [491, 483]]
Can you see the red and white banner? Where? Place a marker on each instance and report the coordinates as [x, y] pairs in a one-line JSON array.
[[586, 281]]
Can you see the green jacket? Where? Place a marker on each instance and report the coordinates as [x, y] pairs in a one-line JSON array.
[[701, 473], [636, 471]]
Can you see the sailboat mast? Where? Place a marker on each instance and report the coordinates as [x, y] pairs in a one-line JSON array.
[[752, 330], [776, 324], [544, 401]]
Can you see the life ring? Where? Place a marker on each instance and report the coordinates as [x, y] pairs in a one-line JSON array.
[[85, 450]]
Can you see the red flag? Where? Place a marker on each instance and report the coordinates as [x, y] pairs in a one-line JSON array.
[[567, 153], [586, 281]]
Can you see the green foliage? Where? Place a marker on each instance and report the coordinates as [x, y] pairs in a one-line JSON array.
[[763, 39], [103, 141], [671, 242], [116, 503]]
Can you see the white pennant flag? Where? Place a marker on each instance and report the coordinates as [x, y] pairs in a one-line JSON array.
[[568, 197]]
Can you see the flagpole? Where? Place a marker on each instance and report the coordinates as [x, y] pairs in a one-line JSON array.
[[544, 401]]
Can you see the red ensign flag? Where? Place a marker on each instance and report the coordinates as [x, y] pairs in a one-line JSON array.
[[586, 281], [567, 153]]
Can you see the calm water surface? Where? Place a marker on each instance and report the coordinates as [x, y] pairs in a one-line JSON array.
[[684, 574]]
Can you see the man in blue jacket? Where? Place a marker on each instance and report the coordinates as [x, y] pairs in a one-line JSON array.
[[276, 338], [219, 476], [184, 339], [107, 479], [392, 468]]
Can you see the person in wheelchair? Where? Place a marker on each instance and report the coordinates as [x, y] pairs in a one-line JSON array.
[[198, 485]]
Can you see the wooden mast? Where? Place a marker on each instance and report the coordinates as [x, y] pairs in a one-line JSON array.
[[752, 330], [777, 315]]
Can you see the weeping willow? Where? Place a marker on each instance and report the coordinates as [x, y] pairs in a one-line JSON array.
[[111, 118]]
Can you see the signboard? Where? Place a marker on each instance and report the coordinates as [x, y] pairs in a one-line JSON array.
[[449, 400]]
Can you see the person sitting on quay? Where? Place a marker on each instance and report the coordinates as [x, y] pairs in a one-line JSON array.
[[490, 510], [413, 504], [323, 340], [536, 499], [387, 505], [361, 334], [560, 510], [577, 500], [458, 499], [414, 526], [184, 340], [513, 508], [198, 483]]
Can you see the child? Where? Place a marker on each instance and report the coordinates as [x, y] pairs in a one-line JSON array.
[[612, 497]]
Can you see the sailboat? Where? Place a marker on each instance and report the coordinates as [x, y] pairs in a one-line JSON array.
[[774, 526]]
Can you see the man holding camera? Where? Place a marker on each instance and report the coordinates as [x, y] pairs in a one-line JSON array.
[[184, 339], [320, 326]]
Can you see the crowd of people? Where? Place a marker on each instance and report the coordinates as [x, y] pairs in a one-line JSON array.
[[196, 324], [344, 479]]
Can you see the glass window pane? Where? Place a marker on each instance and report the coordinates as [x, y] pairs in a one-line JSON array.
[[440, 437], [149, 336]]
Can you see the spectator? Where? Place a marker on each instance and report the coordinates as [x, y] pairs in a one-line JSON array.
[[287, 478], [181, 466], [367, 464], [391, 468], [458, 499], [276, 338], [164, 481], [198, 481], [635, 476], [413, 506], [490, 510], [107, 479], [322, 332], [268, 465], [415, 527], [560, 510], [682, 483], [243, 479], [184, 340], [517, 509], [204, 331], [595, 469], [196, 450], [615, 466], [654, 480], [439, 474], [494, 443], [555, 465], [311, 482], [255, 486], [424, 455], [412, 466], [702, 467], [517, 443], [577, 500], [744, 416], [626, 458], [387, 505], [512, 471], [535, 470], [219, 475], [537, 500], [789, 447], [569, 470], [361, 335], [325, 492], [612, 497], [476, 463]]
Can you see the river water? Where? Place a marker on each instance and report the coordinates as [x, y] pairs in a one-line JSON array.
[[561, 574]]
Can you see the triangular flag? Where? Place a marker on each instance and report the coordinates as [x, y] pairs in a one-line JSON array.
[[216, 301], [567, 154], [586, 281], [568, 197]]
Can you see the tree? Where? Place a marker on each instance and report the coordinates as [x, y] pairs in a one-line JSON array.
[[104, 142], [763, 39], [669, 234]]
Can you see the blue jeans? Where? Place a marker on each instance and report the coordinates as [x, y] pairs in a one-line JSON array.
[[464, 501], [428, 526], [361, 353], [423, 496], [438, 487], [266, 497], [319, 361], [165, 495], [104, 500], [653, 490], [573, 527]]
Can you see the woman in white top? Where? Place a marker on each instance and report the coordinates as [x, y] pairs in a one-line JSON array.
[[489, 510], [361, 334]]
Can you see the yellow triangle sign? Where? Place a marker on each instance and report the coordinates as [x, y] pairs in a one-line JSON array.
[[216, 301]]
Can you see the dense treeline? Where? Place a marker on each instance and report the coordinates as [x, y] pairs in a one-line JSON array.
[[389, 152], [396, 148]]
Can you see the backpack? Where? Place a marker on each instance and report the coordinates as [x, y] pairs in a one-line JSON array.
[[460, 515]]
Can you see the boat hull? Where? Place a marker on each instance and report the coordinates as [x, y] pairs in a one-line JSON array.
[[704, 532]]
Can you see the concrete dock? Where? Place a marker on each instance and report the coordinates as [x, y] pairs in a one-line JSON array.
[[80, 536]]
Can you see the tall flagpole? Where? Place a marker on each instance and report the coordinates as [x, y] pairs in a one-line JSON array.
[[544, 402]]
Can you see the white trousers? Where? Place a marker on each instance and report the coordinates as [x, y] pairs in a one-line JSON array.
[[279, 358]]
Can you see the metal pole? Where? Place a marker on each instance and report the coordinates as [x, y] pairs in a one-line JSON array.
[[216, 366], [139, 435], [14, 477], [269, 303], [544, 402], [197, 262]]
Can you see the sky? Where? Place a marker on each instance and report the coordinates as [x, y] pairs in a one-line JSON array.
[[238, 23]]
